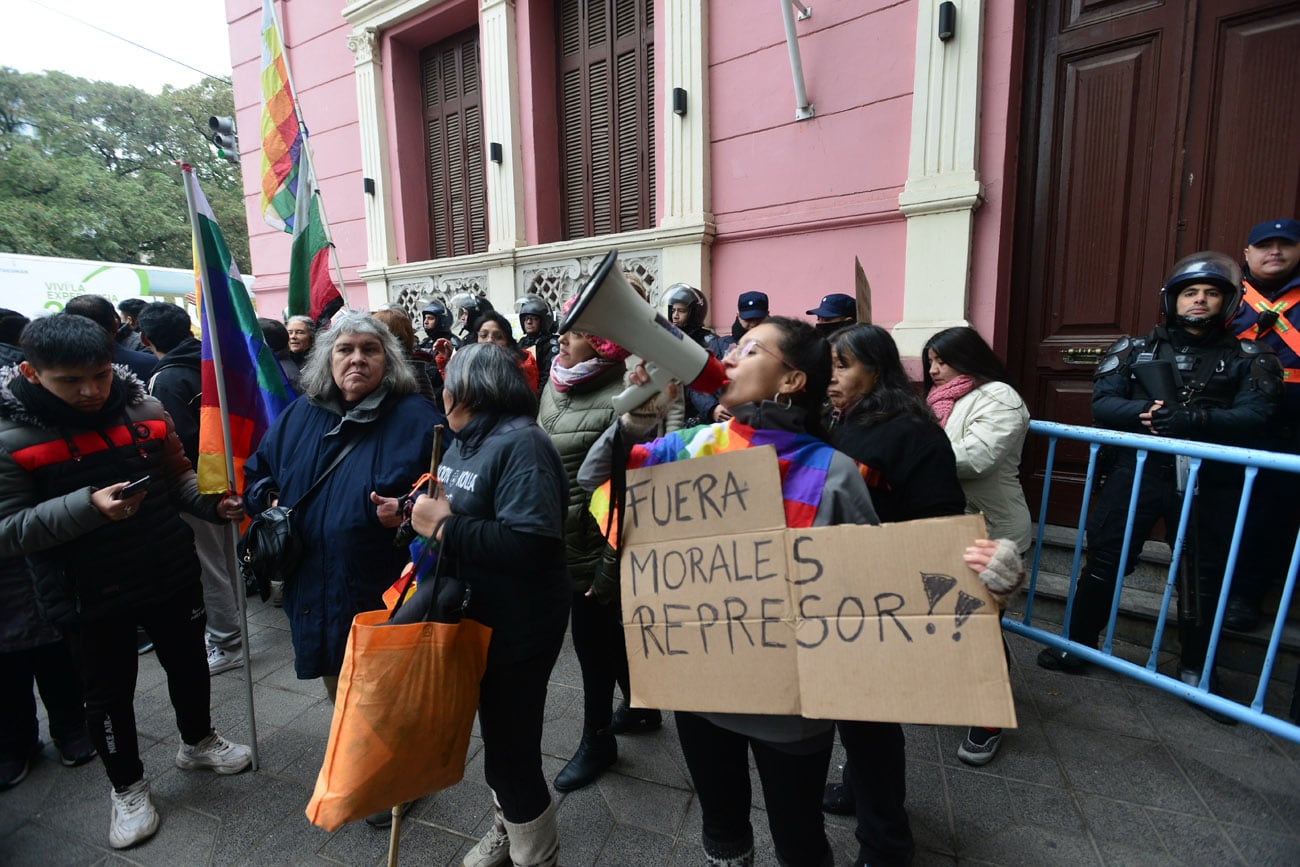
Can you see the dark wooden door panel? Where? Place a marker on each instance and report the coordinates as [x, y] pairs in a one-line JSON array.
[[1103, 196], [1243, 148]]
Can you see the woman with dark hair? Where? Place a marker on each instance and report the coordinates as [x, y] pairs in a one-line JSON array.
[[358, 393], [500, 527], [276, 338], [492, 327], [986, 421], [879, 420], [777, 379]]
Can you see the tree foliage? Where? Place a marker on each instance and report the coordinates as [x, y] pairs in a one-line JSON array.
[[88, 169]]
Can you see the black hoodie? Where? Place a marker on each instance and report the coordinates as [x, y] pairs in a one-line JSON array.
[[177, 382]]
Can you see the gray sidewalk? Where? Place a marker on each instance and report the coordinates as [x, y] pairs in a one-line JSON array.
[[1101, 771]]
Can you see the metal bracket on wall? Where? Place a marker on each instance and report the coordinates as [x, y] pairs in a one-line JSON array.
[[803, 109]]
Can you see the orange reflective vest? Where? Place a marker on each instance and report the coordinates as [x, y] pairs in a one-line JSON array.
[[1283, 328]]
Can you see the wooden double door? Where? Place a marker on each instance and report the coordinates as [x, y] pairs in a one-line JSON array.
[[1149, 130]]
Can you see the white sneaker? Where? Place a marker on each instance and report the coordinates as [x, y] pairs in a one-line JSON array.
[[214, 752], [134, 818], [219, 660], [493, 850]]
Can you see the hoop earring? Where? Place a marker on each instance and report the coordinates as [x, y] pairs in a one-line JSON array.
[[789, 401]]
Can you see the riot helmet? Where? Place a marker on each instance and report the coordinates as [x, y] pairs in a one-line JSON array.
[[467, 307], [535, 305], [1207, 266], [692, 299], [441, 316]]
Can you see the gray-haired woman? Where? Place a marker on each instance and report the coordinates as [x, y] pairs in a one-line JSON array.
[[501, 528], [357, 387], [302, 333]]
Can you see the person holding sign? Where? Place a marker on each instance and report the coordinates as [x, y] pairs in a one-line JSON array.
[[879, 420], [500, 527], [777, 380]]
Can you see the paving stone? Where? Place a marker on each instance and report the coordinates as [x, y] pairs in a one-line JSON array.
[[35, 844], [1192, 840], [1130, 769], [1237, 789], [1024, 754], [184, 837], [585, 821], [642, 804], [928, 809], [1081, 702], [293, 840], [629, 845], [1120, 830], [1263, 847]]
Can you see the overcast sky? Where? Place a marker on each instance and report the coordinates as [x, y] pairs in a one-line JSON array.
[[34, 38]]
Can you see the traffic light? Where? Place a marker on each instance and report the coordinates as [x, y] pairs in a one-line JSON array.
[[223, 136]]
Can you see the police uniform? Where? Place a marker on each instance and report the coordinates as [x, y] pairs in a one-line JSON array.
[[1225, 391]]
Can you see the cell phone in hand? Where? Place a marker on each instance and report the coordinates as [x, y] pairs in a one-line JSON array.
[[132, 489]]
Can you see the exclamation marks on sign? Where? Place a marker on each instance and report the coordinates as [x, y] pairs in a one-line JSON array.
[[966, 606], [936, 587]]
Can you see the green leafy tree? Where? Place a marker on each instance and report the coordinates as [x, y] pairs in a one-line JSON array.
[[88, 169]]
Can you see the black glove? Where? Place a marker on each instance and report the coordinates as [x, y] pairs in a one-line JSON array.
[[1181, 422]]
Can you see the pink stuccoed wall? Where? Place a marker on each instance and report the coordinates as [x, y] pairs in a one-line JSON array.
[[315, 38], [795, 201]]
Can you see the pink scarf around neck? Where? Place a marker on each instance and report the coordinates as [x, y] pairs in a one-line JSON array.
[[942, 398]]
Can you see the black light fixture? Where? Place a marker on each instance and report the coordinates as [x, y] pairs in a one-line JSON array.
[[368, 185], [947, 20], [679, 101], [494, 152]]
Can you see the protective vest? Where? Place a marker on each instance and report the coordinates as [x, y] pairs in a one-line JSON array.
[[1275, 313]]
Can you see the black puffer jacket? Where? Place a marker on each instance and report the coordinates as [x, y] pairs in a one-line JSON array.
[[177, 381], [912, 472], [86, 566]]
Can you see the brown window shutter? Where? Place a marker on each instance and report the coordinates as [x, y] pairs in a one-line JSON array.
[[454, 147], [606, 127]]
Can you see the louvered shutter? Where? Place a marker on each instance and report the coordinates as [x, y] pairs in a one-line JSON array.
[[453, 122], [606, 115]]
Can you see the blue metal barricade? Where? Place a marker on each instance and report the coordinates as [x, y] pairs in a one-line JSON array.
[[1252, 461]]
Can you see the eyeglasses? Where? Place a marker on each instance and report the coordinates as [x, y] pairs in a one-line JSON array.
[[746, 348]]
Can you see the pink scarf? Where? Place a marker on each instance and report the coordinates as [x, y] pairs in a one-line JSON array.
[[565, 378], [942, 398]]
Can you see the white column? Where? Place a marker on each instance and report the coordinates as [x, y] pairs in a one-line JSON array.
[[943, 187], [500, 83], [380, 249], [685, 170]]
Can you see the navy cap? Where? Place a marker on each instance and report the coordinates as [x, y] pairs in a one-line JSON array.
[[752, 305], [835, 306], [1289, 229]]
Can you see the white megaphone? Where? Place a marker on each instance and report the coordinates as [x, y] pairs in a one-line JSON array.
[[610, 308]]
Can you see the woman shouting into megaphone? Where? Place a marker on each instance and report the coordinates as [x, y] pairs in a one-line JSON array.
[[777, 377]]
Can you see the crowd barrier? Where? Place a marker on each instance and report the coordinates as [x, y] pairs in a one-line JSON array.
[[1252, 461]]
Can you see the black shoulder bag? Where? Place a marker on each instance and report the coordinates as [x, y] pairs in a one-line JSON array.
[[270, 550]]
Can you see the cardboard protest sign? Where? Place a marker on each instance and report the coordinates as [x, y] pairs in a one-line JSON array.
[[726, 610]]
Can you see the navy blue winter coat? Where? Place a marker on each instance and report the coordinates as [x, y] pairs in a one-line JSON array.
[[350, 558]]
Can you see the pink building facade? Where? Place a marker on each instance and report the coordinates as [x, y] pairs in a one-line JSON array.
[[902, 158]]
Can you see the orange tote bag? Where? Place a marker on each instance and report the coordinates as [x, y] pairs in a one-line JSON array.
[[405, 707]]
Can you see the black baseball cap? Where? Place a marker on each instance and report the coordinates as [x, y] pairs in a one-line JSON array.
[[752, 305], [835, 305]]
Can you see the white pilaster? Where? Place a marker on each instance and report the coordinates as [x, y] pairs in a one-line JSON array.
[[685, 171], [943, 187], [500, 83], [380, 250]]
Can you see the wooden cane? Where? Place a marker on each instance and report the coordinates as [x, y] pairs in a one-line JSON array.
[[395, 833], [434, 460]]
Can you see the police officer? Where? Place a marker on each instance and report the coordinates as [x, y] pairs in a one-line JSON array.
[[1223, 390], [537, 323], [437, 323], [466, 308], [687, 310], [1271, 315]]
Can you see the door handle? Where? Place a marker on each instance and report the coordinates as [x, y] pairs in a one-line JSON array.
[[1085, 355]]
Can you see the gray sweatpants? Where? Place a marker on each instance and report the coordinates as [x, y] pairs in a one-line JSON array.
[[220, 578]]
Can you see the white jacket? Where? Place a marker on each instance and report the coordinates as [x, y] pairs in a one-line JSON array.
[[987, 430]]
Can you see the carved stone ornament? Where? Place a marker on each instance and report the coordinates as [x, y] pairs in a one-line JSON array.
[[364, 45]]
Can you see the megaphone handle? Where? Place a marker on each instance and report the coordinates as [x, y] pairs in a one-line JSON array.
[[635, 395]]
